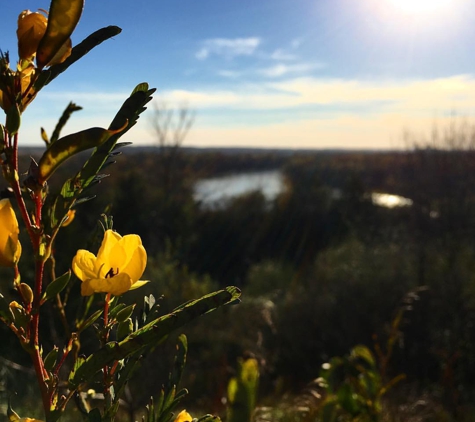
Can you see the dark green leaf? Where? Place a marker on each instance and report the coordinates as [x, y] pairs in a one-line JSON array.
[[56, 286], [124, 329], [70, 109], [125, 313], [51, 358], [80, 50], [77, 365], [91, 320], [73, 188], [13, 120], [180, 360]]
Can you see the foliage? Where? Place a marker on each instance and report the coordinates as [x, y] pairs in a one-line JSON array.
[[242, 391], [71, 362]]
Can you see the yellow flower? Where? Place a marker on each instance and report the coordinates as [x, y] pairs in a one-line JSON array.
[[183, 416], [31, 29], [117, 268], [10, 248], [71, 214]]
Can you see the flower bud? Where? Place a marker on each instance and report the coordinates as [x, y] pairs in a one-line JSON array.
[[26, 293], [31, 29], [10, 248]]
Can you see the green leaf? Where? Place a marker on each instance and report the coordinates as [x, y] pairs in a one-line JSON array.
[[91, 320], [77, 365], [56, 286], [13, 120], [78, 51], [348, 400], [124, 329], [180, 361], [63, 17], [51, 359], [68, 146], [70, 109], [114, 310], [125, 313], [153, 332], [363, 353], [73, 188], [209, 418]]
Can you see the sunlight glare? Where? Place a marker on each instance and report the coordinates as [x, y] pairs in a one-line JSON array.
[[415, 7]]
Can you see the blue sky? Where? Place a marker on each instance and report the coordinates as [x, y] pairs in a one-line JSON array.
[[270, 73]]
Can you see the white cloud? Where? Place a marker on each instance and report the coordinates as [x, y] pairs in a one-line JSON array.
[[231, 74], [282, 55], [285, 69], [228, 47], [296, 43], [450, 93]]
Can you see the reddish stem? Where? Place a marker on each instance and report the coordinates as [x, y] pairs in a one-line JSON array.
[[35, 237]]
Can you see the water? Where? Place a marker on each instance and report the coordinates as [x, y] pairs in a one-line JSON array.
[[217, 191]]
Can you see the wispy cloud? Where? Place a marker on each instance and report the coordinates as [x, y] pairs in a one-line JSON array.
[[228, 47], [231, 74], [453, 93], [286, 69], [282, 55]]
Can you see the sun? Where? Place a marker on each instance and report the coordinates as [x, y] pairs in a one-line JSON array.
[[417, 7]]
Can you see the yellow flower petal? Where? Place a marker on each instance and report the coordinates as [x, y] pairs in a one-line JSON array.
[[136, 264], [116, 285], [84, 265], [109, 241], [10, 248], [183, 416], [139, 283]]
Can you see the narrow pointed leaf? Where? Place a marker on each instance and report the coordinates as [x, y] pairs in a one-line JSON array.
[[56, 286], [153, 332], [62, 19], [77, 52], [70, 109], [73, 188], [91, 320], [68, 146], [180, 360], [51, 358]]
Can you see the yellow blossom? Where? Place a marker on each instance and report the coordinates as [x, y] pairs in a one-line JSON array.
[[71, 214], [31, 29], [117, 268], [183, 416], [10, 248]]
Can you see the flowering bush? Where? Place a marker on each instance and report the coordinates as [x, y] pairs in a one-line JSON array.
[[44, 52]]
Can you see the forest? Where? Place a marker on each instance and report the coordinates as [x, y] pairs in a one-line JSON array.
[[325, 277]]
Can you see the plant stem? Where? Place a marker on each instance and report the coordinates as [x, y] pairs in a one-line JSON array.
[[107, 380]]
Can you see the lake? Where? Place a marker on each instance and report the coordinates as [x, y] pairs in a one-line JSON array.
[[215, 192]]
